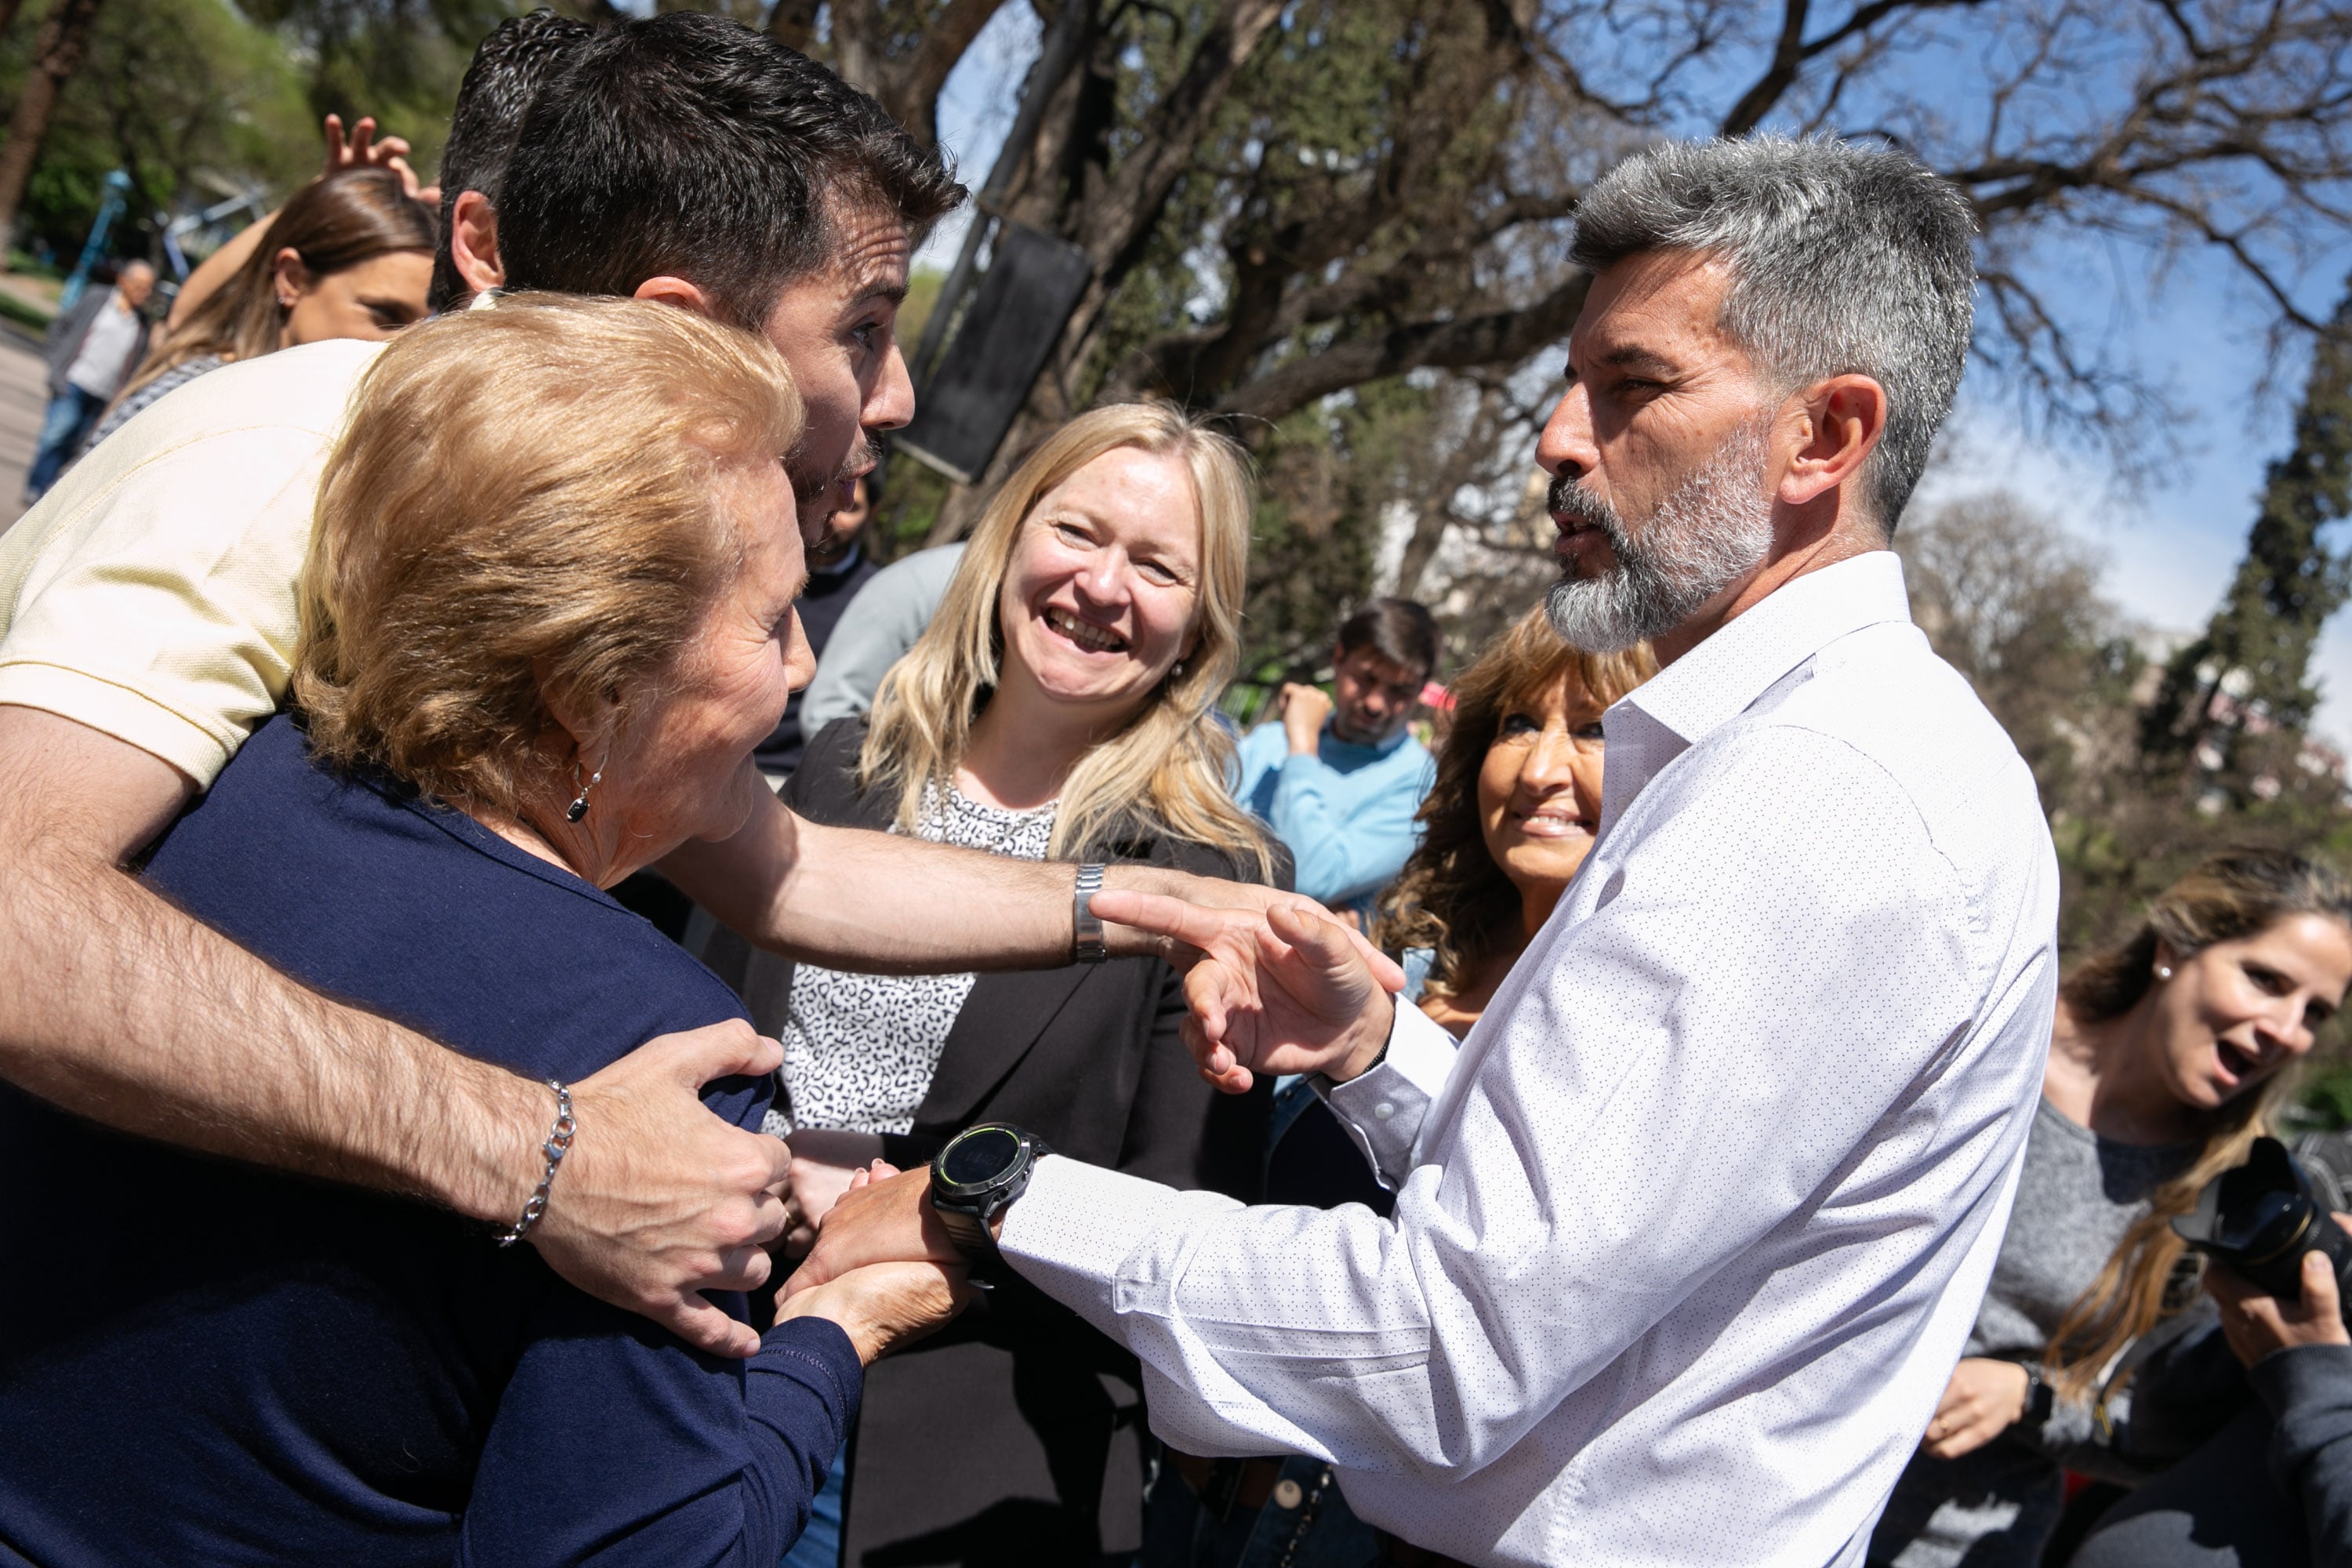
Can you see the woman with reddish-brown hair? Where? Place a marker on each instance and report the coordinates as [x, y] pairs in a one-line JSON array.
[[1512, 815]]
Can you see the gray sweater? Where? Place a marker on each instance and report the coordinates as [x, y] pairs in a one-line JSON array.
[[2077, 1195]]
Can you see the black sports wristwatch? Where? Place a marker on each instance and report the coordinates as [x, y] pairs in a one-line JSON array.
[[976, 1177]]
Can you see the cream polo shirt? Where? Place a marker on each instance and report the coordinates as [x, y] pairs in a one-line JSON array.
[[151, 594]]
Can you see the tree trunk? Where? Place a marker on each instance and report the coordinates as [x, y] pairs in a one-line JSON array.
[[1110, 223], [57, 55]]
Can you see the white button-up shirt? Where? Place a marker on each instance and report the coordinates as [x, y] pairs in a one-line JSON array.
[[1689, 1232]]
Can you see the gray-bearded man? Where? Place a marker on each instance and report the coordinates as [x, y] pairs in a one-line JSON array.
[[1689, 1231]]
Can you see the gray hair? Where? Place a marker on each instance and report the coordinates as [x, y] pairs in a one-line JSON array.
[[1844, 260]]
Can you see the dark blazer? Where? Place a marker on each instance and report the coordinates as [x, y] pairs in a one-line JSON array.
[[1017, 1434]]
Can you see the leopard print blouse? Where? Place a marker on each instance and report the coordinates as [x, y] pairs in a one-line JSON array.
[[860, 1049]]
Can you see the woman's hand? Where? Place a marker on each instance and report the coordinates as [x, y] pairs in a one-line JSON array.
[[824, 1161], [366, 150], [883, 1305], [2256, 1324], [1984, 1398]]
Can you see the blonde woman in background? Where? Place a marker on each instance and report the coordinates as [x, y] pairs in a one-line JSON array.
[[2171, 1054], [1060, 704]]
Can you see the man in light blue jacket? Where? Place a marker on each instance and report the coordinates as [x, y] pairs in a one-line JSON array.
[[1338, 777]]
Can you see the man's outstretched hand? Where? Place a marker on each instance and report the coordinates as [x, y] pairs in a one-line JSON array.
[[660, 1199], [1288, 990]]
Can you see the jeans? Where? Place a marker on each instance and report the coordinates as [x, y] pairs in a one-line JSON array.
[[1317, 1530], [820, 1544], [71, 414]]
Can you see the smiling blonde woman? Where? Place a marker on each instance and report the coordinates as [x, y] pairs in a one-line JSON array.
[[1059, 704]]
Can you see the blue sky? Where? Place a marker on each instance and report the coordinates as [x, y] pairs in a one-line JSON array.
[[2170, 543]]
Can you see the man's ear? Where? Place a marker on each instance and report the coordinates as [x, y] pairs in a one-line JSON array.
[[676, 292], [474, 242], [1841, 420]]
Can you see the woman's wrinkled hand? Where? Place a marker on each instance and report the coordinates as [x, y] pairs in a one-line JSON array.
[[1984, 1399], [884, 1305]]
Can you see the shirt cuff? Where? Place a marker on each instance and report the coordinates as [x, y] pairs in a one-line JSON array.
[[1383, 1110], [1075, 1225]]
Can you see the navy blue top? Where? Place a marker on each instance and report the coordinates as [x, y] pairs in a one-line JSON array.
[[202, 1362]]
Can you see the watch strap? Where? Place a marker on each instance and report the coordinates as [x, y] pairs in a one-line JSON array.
[[968, 1231], [1087, 945]]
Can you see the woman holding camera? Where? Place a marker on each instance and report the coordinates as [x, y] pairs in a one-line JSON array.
[[2169, 1057], [2275, 1486]]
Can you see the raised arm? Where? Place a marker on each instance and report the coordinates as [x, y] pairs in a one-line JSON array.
[[361, 151], [882, 903], [119, 1009]]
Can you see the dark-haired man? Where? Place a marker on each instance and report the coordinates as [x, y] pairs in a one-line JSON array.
[[1338, 777], [147, 617]]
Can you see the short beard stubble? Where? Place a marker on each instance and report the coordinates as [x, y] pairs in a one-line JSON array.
[[1711, 530]]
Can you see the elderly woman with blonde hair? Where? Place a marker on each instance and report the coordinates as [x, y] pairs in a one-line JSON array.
[[1061, 703], [546, 618]]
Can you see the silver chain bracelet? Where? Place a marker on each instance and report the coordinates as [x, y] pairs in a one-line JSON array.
[[558, 1144]]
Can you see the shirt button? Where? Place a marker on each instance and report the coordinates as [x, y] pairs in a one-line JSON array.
[[1287, 1494], [1383, 1111]]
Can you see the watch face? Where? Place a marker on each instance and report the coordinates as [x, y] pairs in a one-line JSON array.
[[980, 1157]]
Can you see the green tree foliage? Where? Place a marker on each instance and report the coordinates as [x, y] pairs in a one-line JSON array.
[[2014, 603], [186, 96], [2230, 716], [400, 60]]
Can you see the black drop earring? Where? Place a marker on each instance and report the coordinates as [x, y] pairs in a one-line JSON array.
[[579, 806]]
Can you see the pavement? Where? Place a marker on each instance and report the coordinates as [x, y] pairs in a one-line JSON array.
[[24, 398]]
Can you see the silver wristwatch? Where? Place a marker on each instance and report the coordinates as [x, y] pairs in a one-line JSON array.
[[1087, 931]]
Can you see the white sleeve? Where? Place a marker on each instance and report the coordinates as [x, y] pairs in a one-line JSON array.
[[1659, 1087], [1383, 1110]]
